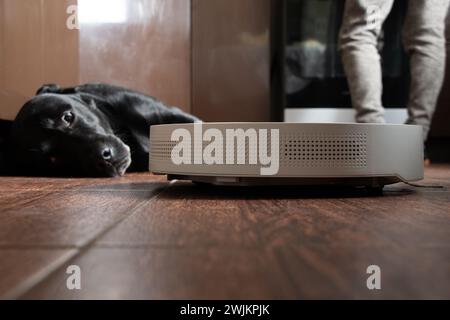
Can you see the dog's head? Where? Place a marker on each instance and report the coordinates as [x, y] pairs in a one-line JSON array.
[[66, 135]]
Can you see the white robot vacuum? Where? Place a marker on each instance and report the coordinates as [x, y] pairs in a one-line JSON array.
[[369, 155]]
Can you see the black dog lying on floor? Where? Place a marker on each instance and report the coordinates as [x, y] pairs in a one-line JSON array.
[[88, 130]]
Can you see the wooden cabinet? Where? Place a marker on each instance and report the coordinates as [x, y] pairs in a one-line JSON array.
[[231, 60]]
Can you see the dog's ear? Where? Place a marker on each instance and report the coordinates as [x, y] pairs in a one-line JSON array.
[[5, 128], [48, 88]]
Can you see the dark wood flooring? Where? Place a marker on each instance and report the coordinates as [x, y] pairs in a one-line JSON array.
[[142, 237]]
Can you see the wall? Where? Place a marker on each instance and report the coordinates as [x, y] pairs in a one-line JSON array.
[[35, 48], [149, 50]]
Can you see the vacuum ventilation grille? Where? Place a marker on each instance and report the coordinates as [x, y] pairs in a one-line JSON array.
[[347, 150], [161, 150], [299, 150]]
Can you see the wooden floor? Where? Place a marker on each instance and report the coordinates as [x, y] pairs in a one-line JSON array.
[[142, 237]]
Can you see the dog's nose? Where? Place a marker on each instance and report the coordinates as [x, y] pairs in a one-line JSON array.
[[113, 158], [107, 154]]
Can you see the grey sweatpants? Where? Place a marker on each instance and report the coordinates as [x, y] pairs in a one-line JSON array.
[[424, 40]]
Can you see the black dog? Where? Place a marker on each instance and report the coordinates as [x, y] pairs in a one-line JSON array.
[[89, 130]]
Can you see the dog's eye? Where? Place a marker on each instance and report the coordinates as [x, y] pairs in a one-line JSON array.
[[68, 118]]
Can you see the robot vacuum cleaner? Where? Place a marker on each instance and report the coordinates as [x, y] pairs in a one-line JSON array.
[[368, 155]]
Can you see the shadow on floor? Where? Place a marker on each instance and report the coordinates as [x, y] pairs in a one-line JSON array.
[[203, 192]]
